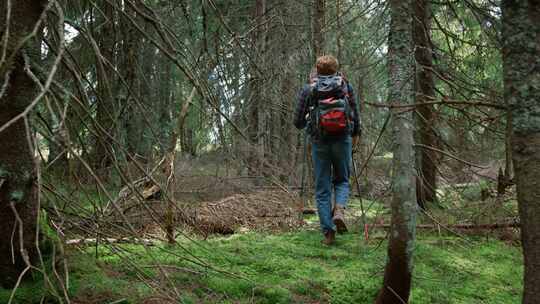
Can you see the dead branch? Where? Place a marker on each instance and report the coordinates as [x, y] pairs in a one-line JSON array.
[[125, 240]]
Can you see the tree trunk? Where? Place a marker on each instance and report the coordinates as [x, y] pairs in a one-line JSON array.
[[287, 131], [133, 114], [339, 34], [18, 195], [521, 46], [398, 272], [508, 169], [424, 93], [163, 78], [170, 218], [318, 24], [105, 116], [256, 109]]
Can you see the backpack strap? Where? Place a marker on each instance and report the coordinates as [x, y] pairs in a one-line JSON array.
[[311, 95], [345, 89]]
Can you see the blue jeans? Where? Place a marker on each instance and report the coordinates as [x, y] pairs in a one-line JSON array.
[[331, 160]]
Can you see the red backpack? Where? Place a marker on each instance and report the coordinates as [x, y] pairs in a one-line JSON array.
[[331, 110]]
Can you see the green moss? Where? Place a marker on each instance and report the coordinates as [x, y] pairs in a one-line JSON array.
[[271, 295], [230, 287], [295, 268], [27, 293], [186, 299]]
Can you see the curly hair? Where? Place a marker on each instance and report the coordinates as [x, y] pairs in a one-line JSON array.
[[327, 65]]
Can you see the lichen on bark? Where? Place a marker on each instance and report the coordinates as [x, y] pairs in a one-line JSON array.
[[399, 267], [17, 167], [521, 66]]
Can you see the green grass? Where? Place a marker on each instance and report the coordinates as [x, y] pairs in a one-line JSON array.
[[293, 268]]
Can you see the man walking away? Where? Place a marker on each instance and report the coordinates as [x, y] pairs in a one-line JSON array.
[[327, 106]]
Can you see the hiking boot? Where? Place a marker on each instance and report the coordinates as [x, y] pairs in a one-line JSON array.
[[339, 219], [329, 238]]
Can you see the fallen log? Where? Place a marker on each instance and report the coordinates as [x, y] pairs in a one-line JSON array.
[[309, 211], [110, 241], [459, 226]]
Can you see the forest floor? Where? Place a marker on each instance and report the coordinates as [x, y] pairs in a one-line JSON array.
[[286, 267]]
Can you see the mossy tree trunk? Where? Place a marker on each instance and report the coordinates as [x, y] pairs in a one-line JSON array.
[[424, 93], [18, 192], [399, 267], [521, 66]]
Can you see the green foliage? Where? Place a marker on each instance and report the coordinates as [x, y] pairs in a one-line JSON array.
[[16, 196], [49, 240], [474, 191], [272, 295], [76, 199], [4, 173]]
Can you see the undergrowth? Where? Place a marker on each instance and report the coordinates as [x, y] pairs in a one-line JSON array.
[[287, 268]]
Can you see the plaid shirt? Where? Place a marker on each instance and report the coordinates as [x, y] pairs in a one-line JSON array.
[[302, 109]]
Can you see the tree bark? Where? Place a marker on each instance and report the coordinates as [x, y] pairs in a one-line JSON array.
[[508, 169], [287, 133], [136, 143], [256, 109], [424, 93], [318, 24], [163, 77], [398, 272], [18, 192], [521, 66], [339, 34]]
